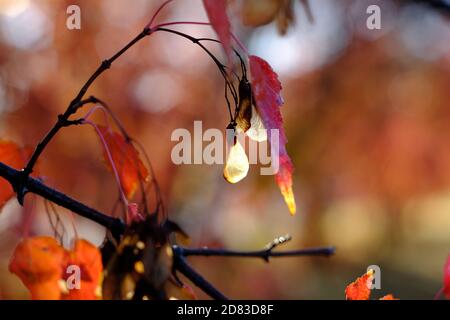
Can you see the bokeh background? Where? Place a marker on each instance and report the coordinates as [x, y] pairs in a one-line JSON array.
[[366, 114]]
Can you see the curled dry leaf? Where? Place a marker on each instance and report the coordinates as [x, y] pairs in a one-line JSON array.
[[126, 159], [12, 155], [244, 116], [248, 119], [267, 95], [217, 14], [39, 262]]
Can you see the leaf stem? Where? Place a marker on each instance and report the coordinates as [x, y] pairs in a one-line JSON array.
[[157, 12], [172, 23], [111, 162], [221, 67]]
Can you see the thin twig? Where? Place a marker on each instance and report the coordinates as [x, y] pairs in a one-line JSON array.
[[264, 254], [74, 105], [228, 83]]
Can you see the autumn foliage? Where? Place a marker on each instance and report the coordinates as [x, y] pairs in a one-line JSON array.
[[44, 265], [140, 260], [360, 289], [41, 263], [267, 93]]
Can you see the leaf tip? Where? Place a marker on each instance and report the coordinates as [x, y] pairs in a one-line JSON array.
[[359, 289], [289, 198]]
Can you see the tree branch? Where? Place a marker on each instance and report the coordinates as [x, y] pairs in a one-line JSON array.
[[114, 225], [264, 254], [184, 268], [117, 228], [220, 66], [74, 105], [14, 177]]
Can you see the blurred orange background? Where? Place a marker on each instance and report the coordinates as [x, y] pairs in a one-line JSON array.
[[366, 114]]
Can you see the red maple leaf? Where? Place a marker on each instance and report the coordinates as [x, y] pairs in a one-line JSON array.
[[446, 288], [217, 14], [267, 95]]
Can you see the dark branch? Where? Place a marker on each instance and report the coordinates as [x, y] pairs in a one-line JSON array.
[[117, 228], [184, 268], [264, 254], [14, 177], [114, 225], [220, 66]]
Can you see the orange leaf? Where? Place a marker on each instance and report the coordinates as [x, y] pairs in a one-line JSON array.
[[88, 258], [359, 289], [38, 262], [12, 155], [126, 159], [267, 93], [217, 14]]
